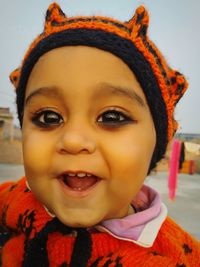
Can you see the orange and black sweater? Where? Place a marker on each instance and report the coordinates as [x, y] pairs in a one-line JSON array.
[[30, 237]]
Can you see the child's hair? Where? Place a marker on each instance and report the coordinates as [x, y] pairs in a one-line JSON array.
[[162, 86]]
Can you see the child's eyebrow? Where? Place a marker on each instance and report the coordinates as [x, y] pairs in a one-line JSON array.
[[110, 89], [43, 91], [105, 89]]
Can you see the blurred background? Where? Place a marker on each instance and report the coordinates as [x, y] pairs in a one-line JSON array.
[[174, 27]]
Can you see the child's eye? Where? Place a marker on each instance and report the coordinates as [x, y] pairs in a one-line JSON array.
[[114, 118], [47, 118]]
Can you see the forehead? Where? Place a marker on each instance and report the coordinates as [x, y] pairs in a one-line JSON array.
[[82, 68], [82, 61]]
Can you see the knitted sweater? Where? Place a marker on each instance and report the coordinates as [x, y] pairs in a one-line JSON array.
[[23, 235]]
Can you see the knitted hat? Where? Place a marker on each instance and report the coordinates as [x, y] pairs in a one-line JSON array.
[[162, 86]]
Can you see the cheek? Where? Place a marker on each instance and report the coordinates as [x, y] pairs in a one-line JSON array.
[[37, 151], [131, 151]]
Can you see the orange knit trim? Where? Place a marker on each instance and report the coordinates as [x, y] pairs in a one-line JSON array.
[[77, 25]]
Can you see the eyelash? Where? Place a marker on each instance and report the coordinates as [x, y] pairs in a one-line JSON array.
[[114, 118], [38, 115]]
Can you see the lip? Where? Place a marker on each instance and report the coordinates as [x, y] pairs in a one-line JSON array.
[[75, 193]]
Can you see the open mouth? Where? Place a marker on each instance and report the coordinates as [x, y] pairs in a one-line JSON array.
[[79, 181]]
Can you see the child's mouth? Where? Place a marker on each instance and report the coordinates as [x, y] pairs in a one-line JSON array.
[[79, 181]]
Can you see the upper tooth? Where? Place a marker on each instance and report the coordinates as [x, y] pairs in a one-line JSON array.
[[71, 174], [81, 174]]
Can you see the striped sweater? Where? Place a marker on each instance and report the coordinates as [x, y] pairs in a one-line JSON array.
[[24, 237]]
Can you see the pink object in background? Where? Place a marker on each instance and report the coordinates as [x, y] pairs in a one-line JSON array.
[[173, 168]]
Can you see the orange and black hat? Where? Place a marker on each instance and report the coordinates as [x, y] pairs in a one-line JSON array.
[[162, 86]]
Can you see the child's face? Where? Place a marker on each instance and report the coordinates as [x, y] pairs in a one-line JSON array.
[[85, 112]]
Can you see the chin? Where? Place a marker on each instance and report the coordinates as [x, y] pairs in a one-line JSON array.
[[79, 221]]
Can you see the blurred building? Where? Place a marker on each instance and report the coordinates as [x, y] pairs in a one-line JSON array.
[[187, 136], [8, 131], [6, 124]]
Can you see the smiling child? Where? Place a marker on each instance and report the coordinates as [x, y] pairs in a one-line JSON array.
[[95, 102]]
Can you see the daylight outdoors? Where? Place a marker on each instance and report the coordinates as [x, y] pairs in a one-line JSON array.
[[174, 28]]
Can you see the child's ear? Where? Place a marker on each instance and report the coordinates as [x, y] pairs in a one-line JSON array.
[[14, 77], [138, 24], [54, 16]]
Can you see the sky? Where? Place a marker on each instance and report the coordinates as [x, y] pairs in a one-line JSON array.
[[174, 28]]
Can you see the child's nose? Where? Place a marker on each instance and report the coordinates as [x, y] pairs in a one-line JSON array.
[[75, 140]]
